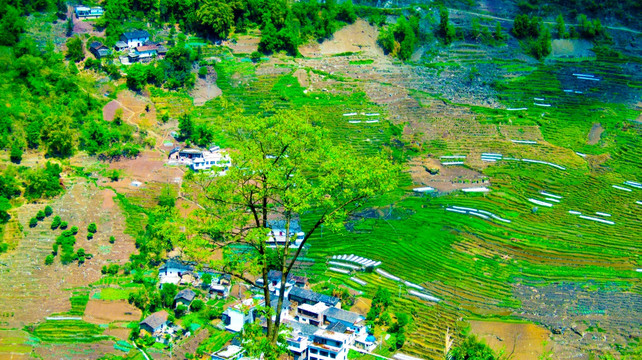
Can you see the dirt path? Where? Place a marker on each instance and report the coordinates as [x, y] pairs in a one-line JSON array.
[[486, 16]]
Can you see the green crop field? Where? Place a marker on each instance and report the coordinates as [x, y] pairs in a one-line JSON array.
[[470, 263]]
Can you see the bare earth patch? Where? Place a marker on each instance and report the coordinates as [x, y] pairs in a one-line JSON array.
[[357, 37], [522, 341], [449, 178], [137, 109], [205, 89], [595, 134], [106, 312]]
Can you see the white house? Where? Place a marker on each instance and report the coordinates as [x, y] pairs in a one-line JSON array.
[[84, 12], [311, 314], [328, 345], [155, 323], [278, 234], [135, 38], [232, 352], [245, 312], [200, 159]]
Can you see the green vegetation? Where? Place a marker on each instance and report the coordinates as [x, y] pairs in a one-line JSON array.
[[400, 40], [68, 331], [536, 37]]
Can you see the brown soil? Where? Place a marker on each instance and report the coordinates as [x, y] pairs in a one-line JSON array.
[[362, 306], [35, 291], [245, 44], [108, 199], [449, 178], [595, 134], [149, 167], [357, 37], [522, 341], [205, 89], [133, 106], [106, 312], [302, 77]]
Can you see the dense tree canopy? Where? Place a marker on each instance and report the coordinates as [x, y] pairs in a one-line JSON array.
[[284, 167]]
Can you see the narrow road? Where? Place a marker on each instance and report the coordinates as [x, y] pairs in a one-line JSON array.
[[457, 11], [141, 351]]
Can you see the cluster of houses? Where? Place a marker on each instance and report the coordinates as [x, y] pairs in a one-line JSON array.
[[183, 273], [200, 159], [320, 329], [136, 43]]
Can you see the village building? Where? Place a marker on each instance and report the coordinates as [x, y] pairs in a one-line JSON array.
[[231, 352], [352, 321], [311, 314], [278, 234], [200, 159], [304, 296], [184, 297], [329, 345], [135, 38], [145, 52], [155, 323], [121, 46], [99, 50], [244, 312], [84, 12]]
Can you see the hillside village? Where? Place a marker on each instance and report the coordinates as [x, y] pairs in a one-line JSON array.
[[320, 180]]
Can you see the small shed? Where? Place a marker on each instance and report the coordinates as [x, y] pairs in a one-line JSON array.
[[184, 297], [121, 46], [99, 50]]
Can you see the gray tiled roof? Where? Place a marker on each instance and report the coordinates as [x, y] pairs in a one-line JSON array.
[[343, 315], [313, 296], [156, 319], [186, 294]]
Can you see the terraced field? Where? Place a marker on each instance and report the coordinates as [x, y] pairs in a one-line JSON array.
[[477, 267]]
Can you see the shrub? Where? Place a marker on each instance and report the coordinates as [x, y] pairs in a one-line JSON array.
[[92, 228], [33, 222], [49, 259], [40, 215], [54, 250], [48, 210], [74, 230], [63, 225], [16, 154], [55, 223], [255, 56], [112, 239], [90, 236], [197, 305], [202, 72]]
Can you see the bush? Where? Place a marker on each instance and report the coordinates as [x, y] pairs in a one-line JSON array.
[[54, 250], [92, 228], [33, 222], [48, 210], [202, 72], [112, 239], [55, 223], [255, 56], [90, 236], [49, 259], [197, 305], [40, 215], [16, 154], [63, 225], [180, 310], [74, 230]]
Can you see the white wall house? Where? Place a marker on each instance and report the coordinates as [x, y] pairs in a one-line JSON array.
[[328, 345], [135, 38], [201, 159], [235, 317]]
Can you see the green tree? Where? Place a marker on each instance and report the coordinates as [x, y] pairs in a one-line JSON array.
[[16, 154], [472, 349], [49, 259], [5, 206], [48, 210], [112, 239], [74, 230], [136, 77], [446, 29], [55, 223], [560, 27], [40, 215], [185, 126], [63, 225], [168, 292], [11, 25], [75, 49], [70, 26], [217, 15], [33, 222], [284, 166], [499, 32], [206, 279], [92, 227]]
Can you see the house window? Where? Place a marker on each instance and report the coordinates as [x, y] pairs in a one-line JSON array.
[[324, 353], [314, 351], [333, 355], [313, 358]]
